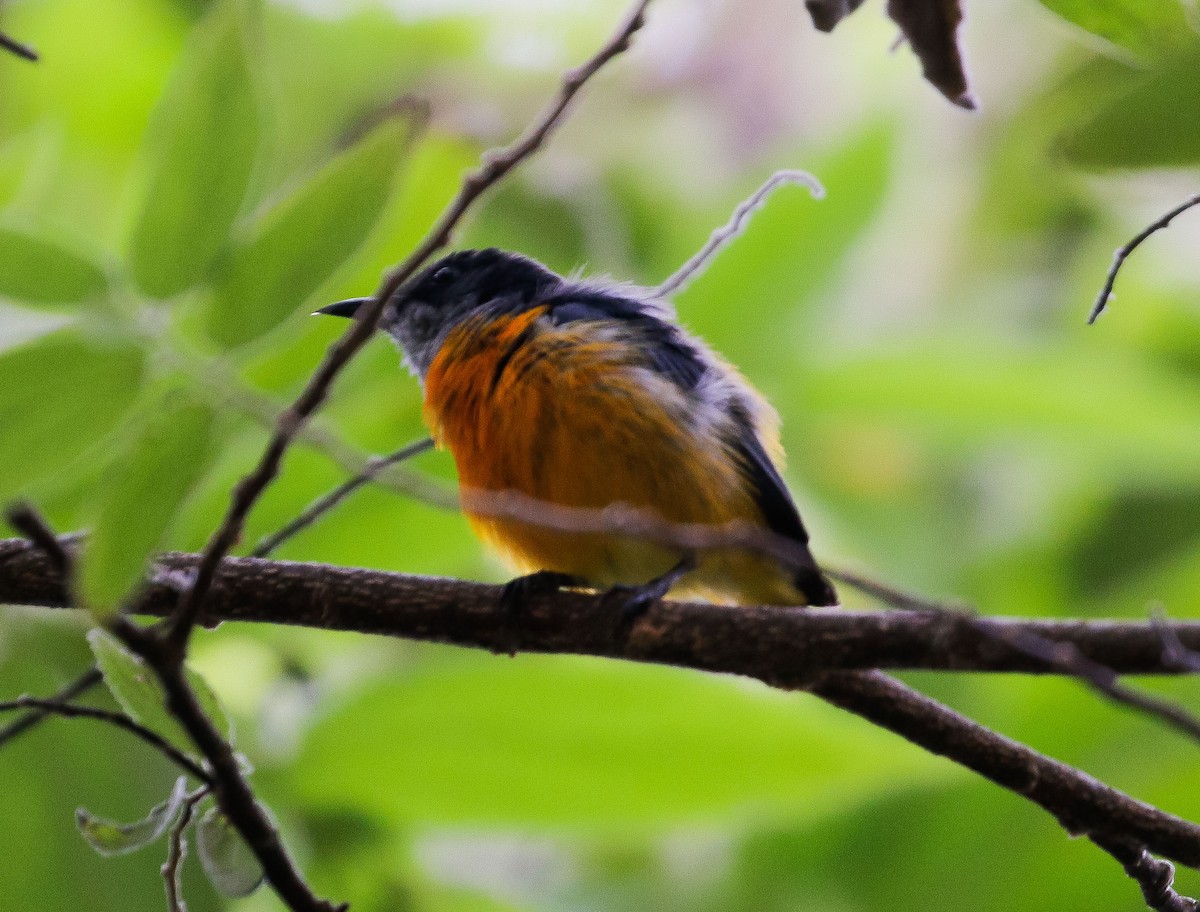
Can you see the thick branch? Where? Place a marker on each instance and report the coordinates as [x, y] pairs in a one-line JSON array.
[[1081, 804], [784, 647], [770, 643]]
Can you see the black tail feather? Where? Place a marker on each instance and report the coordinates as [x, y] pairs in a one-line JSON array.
[[817, 590]]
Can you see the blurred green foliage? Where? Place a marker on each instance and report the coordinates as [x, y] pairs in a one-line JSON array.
[[182, 182]]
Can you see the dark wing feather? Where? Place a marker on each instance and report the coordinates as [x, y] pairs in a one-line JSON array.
[[782, 518], [770, 493], [664, 345], [671, 354]]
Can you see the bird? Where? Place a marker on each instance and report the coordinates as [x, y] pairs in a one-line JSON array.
[[584, 394]]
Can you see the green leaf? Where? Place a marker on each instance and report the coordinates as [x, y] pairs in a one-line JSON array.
[[304, 240], [970, 392], [751, 294], [551, 741], [136, 688], [211, 704], [59, 396], [1141, 26], [225, 857], [205, 145], [36, 270], [109, 838], [141, 498], [1151, 125]]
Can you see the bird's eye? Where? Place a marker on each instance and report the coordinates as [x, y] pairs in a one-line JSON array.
[[442, 276]]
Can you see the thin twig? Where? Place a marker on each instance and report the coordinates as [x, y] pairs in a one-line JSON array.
[[886, 593], [494, 165], [1123, 252], [1063, 656], [645, 524], [16, 47], [324, 504], [1099, 677], [172, 868], [76, 688], [1156, 878], [117, 719], [736, 224], [217, 377]]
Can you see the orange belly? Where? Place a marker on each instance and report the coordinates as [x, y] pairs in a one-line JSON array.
[[564, 416]]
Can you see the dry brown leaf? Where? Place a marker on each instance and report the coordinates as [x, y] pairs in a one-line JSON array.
[[828, 13], [929, 26]]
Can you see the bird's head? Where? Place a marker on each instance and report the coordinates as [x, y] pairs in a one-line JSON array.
[[423, 311]]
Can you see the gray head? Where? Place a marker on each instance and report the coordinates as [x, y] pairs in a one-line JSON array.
[[424, 310]]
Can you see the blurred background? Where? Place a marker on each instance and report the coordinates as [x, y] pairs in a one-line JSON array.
[[953, 426]]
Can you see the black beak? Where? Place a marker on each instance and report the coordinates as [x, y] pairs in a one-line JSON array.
[[345, 308]]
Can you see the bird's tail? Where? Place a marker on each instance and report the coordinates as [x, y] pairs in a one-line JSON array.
[[815, 587]]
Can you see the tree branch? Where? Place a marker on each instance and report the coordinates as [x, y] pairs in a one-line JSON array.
[[26, 520], [16, 47], [1123, 252], [1062, 656], [494, 165], [229, 785], [76, 688], [1156, 878], [766, 642], [1067, 657], [327, 502], [1081, 804], [784, 647], [697, 263], [116, 719], [172, 868]]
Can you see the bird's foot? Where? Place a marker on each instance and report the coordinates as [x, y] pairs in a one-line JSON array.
[[632, 602], [516, 595]]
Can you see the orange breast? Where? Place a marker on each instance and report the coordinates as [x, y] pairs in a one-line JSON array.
[[567, 415]]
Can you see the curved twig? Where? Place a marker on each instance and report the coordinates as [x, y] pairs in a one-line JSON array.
[[172, 868], [76, 688], [1123, 252], [118, 720], [736, 224]]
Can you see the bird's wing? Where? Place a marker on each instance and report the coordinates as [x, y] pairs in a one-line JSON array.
[[770, 493], [664, 346], [672, 354]]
